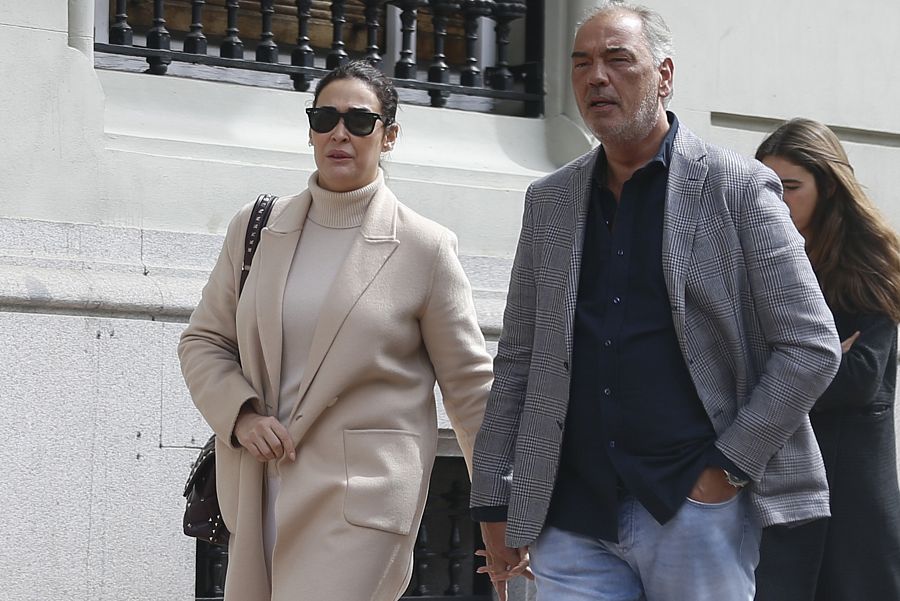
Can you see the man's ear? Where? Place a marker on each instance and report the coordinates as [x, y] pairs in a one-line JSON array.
[[666, 78]]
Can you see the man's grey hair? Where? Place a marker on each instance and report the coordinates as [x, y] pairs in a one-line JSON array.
[[656, 33]]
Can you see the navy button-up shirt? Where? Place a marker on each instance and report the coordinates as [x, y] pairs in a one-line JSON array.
[[635, 423]]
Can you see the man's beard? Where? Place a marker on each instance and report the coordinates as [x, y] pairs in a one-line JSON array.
[[636, 128]]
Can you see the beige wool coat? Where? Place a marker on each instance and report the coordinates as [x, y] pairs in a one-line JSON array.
[[398, 316]]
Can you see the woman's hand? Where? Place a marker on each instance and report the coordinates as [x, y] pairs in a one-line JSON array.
[[846, 344], [503, 563], [264, 437]]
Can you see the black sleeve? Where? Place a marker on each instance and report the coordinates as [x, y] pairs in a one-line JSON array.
[[489, 514], [862, 369]]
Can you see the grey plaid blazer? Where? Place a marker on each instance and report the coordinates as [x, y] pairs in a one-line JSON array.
[[756, 335]]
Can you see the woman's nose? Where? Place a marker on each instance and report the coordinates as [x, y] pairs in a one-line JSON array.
[[340, 131]]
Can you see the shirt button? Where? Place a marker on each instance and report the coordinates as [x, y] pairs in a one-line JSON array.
[[607, 391], [620, 252], [607, 342], [616, 300], [612, 444]]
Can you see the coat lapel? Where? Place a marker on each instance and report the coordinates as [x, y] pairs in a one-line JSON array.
[[370, 250], [572, 222], [687, 174], [278, 243]]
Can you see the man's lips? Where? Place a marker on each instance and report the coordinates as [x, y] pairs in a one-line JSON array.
[[600, 102]]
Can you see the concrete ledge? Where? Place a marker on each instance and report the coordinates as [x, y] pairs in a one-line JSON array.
[[120, 272]]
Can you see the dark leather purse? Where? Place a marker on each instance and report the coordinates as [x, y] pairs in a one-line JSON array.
[[202, 516]]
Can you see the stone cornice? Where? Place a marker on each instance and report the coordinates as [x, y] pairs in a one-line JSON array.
[[133, 273]]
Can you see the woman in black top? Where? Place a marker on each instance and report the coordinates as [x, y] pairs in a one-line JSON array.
[[854, 555]]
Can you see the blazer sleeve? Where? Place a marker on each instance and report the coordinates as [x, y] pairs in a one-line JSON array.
[[860, 377], [496, 441], [456, 346], [208, 347], [799, 332]]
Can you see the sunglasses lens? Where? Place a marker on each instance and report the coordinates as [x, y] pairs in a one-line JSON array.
[[323, 120], [360, 124]]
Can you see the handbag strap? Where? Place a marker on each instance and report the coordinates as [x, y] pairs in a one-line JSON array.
[[258, 219]]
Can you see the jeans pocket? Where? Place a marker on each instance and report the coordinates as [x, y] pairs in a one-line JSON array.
[[385, 479]]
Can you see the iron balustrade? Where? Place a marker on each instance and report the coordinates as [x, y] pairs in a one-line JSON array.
[[283, 25], [443, 559]]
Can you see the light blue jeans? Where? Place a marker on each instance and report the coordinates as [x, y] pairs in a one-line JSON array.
[[707, 552]]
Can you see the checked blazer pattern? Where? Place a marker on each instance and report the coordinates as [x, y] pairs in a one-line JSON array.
[[757, 337]]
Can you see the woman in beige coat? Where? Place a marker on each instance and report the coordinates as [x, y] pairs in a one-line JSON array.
[[318, 380]]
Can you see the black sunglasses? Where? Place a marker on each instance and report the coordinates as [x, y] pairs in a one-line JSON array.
[[358, 122]]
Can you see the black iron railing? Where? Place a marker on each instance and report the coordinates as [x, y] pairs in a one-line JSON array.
[[444, 556], [297, 27]]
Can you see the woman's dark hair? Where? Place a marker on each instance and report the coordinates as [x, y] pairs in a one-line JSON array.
[[379, 84], [854, 251]]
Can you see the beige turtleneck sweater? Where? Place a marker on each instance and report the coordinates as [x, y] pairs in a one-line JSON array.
[[331, 225]]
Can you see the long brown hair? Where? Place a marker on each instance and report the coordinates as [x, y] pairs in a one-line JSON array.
[[855, 253]]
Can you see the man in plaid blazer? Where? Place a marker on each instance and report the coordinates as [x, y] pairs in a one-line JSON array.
[[663, 341]]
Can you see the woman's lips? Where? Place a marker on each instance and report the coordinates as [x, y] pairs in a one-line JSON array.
[[338, 154]]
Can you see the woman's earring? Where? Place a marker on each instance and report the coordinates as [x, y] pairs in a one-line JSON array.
[[310, 143]]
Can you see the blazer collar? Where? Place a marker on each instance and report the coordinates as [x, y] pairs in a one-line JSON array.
[[292, 213], [380, 222], [688, 144], [687, 176], [278, 242], [571, 223]]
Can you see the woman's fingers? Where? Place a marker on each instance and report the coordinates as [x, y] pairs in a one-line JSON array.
[[265, 449], [500, 571], [264, 437], [272, 440], [284, 439], [847, 344], [258, 449], [276, 441]]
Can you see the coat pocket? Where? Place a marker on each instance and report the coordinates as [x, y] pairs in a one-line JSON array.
[[384, 479]]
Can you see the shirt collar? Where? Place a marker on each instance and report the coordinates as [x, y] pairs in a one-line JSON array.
[[662, 157], [664, 154]]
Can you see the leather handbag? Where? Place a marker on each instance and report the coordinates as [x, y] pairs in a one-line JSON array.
[[202, 516]]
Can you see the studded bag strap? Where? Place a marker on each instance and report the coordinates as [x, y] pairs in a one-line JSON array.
[[258, 219]]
